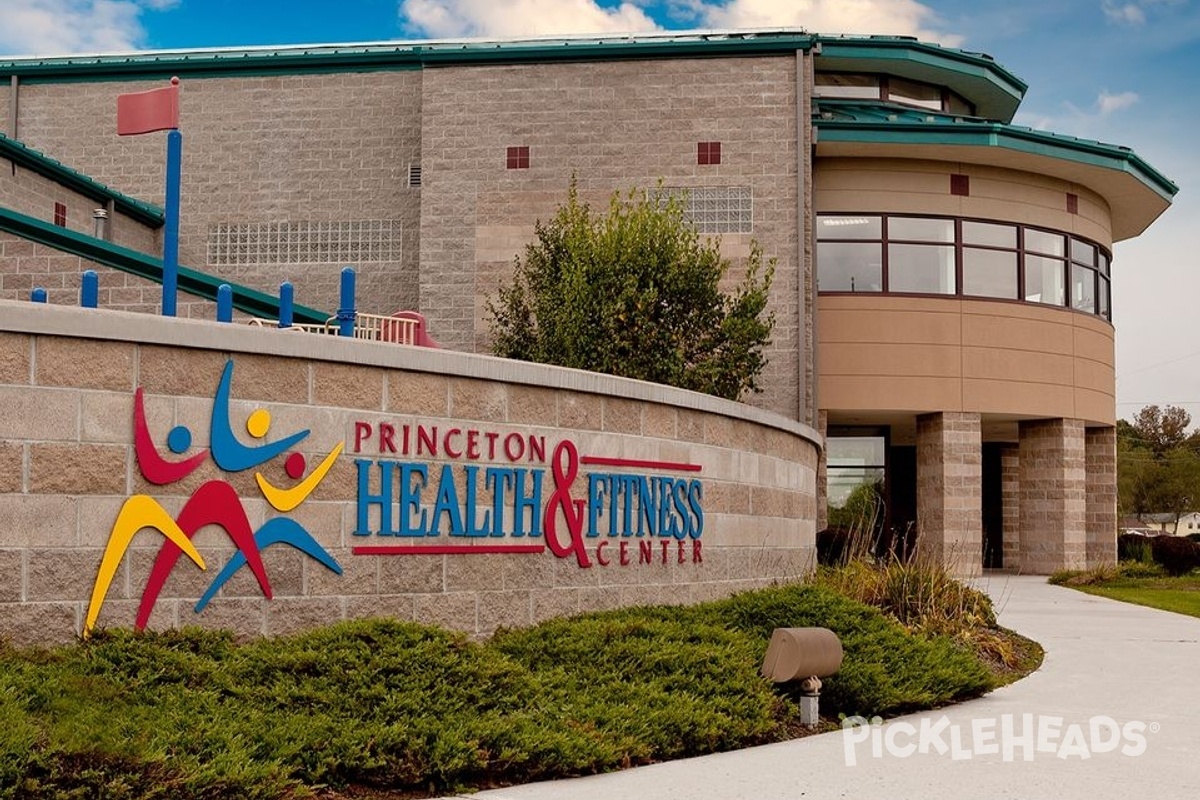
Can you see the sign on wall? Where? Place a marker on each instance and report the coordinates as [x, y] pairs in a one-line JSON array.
[[439, 489]]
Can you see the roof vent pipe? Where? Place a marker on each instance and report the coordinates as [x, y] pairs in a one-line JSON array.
[[100, 224]]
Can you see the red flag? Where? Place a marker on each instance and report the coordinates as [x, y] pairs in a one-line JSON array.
[[145, 112]]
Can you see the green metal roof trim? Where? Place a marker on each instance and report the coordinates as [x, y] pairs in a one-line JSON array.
[[399, 55], [35, 161], [194, 283], [849, 121], [994, 90]]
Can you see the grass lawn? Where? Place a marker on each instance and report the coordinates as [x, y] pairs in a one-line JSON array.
[[1181, 595]]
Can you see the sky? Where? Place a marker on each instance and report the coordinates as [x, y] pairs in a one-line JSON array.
[[1121, 71]]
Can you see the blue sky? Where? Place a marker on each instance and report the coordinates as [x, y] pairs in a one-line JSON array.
[[1122, 71]]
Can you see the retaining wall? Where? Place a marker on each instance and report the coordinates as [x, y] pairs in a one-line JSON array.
[[627, 492]]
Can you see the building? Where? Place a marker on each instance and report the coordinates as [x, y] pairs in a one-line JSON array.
[[942, 290]]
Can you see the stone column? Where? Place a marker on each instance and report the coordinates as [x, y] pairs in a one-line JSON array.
[[1053, 496], [1100, 449], [950, 491], [1010, 494]]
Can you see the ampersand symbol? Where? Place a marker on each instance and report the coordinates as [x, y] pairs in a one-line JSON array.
[[566, 468]]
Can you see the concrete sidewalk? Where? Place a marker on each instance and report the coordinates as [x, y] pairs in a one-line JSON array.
[[1132, 664]]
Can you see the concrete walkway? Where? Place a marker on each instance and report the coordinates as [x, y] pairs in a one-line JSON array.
[[1103, 658]]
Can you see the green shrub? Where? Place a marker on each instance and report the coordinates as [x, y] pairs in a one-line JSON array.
[[194, 716], [1176, 555], [635, 291], [1134, 547]]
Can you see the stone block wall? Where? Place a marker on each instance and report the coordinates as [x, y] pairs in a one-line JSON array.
[[1010, 491], [25, 265], [949, 490], [614, 126], [1053, 496], [1100, 449], [68, 466], [260, 151], [35, 195]]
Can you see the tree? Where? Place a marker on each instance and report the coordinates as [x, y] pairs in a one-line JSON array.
[[1158, 463], [635, 292], [1161, 430]]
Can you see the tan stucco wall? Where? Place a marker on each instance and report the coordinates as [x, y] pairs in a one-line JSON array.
[[916, 354], [909, 186], [67, 465]]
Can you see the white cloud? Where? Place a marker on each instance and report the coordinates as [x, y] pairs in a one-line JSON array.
[[1126, 13], [1134, 12], [54, 27], [892, 17], [453, 18], [1108, 103]]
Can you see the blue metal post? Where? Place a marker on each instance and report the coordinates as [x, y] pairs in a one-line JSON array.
[[287, 297], [89, 295], [224, 303], [38, 295], [346, 312], [171, 222]]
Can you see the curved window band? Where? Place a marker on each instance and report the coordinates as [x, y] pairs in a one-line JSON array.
[[951, 256]]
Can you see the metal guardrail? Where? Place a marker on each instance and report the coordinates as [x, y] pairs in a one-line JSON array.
[[369, 327]]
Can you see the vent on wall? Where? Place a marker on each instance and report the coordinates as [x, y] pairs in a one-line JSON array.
[[414, 175]]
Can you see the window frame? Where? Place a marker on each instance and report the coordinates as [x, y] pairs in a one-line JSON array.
[[1093, 257]]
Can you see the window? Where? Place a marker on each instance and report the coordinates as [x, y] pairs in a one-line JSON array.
[[990, 273], [849, 267], [911, 93], [708, 153], [60, 215], [855, 478], [846, 263], [1044, 280], [518, 158], [836, 84], [305, 242], [921, 268], [718, 209], [970, 258], [886, 88]]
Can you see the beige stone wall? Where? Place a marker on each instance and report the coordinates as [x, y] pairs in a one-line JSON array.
[[35, 195], [67, 379], [1053, 496], [1100, 446], [1010, 490], [615, 126], [878, 353], [260, 150], [338, 147], [25, 265], [949, 491]]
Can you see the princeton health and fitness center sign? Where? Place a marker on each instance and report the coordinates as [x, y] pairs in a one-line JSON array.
[[432, 488], [530, 503]]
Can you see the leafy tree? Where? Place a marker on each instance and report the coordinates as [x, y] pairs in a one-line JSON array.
[[1158, 463], [635, 292], [1161, 430]]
